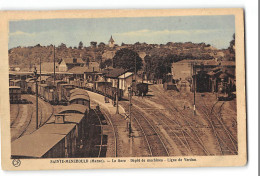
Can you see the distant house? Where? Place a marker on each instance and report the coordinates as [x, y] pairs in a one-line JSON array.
[[123, 77], [90, 72], [69, 63], [47, 67], [125, 81], [93, 44], [184, 69]]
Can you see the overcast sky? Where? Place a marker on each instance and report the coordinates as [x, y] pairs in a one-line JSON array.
[[214, 30]]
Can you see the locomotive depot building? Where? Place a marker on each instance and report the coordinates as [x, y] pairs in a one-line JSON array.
[[208, 75]]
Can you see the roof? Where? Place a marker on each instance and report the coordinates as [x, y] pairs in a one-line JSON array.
[[70, 61], [114, 73], [43, 78], [228, 63], [35, 144], [125, 75], [74, 118], [15, 80], [78, 91], [82, 70], [111, 39], [79, 96], [14, 87], [66, 84], [20, 73], [43, 85], [205, 62], [55, 128], [77, 70], [223, 75], [29, 79], [47, 67], [81, 109]]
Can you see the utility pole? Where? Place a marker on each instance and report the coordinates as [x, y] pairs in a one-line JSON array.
[[130, 104], [36, 77], [117, 92], [40, 69], [135, 69], [194, 87]]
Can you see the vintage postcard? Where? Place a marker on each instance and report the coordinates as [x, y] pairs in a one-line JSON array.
[[94, 89]]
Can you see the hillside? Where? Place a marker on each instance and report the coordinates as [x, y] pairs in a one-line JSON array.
[[26, 57]]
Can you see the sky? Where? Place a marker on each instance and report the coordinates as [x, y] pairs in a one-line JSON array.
[[214, 30]]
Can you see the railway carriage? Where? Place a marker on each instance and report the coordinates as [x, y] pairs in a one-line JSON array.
[[81, 128], [106, 89], [75, 108], [19, 83], [29, 83], [80, 99], [64, 92], [37, 145], [49, 141], [15, 94]]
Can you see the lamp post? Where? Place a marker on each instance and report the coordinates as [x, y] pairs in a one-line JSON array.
[[36, 84], [194, 87], [117, 92], [130, 104]]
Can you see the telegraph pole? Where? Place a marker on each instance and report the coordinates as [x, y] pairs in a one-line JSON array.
[[40, 69], [194, 87], [135, 69], [117, 92], [36, 77], [130, 104]]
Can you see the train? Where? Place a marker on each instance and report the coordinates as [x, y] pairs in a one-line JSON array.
[[58, 92], [62, 136], [140, 89]]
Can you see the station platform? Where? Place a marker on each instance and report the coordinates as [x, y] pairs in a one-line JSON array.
[[100, 100]]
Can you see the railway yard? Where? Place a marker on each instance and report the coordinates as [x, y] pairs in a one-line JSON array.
[[163, 123]]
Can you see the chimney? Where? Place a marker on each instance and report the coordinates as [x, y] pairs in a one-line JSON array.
[[59, 118]]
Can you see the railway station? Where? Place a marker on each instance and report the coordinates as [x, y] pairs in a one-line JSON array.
[[73, 108]]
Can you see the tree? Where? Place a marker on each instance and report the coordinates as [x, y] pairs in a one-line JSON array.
[[126, 59], [101, 45], [232, 44], [80, 45], [62, 46], [108, 62]]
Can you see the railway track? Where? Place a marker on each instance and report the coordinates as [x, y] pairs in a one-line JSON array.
[[226, 141], [101, 134], [182, 133], [27, 126], [193, 139], [40, 120], [41, 110], [16, 117], [107, 116], [154, 141]]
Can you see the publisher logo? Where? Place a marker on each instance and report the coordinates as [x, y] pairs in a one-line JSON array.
[[16, 162]]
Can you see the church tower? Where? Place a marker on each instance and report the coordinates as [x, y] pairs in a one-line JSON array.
[[111, 42]]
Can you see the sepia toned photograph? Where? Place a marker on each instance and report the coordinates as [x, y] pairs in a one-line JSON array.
[[105, 89]]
